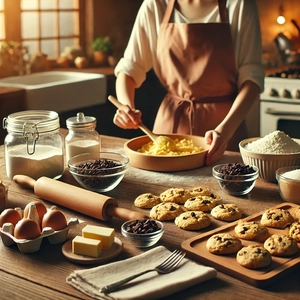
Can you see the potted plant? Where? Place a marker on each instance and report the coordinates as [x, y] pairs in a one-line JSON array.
[[102, 49]]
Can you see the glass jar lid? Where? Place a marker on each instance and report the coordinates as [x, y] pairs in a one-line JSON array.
[[41, 120], [81, 121], [30, 124]]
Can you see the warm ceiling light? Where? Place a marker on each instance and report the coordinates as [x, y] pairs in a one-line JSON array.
[[281, 20]]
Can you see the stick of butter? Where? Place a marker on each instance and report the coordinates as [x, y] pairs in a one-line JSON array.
[[105, 235], [86, 246]]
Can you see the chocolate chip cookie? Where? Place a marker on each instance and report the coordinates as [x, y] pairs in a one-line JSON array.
[[277, 218], [147, 200], [193, 220], [294, 231], [251, 231], [166, 211], [281, 245], [223, 243], [175, 195], [200, 191], [254, 257], [226, 212], [201, 203]]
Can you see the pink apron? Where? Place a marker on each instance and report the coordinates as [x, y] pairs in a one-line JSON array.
[[198, 70]]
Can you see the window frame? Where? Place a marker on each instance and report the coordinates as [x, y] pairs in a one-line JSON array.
[[12, 15]]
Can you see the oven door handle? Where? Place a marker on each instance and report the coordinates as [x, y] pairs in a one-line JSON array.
[[274, 112]]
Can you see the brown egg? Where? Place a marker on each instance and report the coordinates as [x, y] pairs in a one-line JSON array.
[[27, 229], [55, 219], [10, 215], [41, 209]]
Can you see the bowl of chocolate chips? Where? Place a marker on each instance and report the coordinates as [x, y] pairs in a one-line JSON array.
[[236, 179], [99, 171], [143, 233]]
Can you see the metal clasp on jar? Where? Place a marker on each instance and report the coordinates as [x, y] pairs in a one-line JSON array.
[[31, 135]]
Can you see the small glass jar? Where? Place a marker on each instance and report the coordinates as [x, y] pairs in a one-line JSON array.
[[82, 136], [33, 145]]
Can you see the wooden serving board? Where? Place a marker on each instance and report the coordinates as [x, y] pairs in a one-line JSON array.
[[280, 266], [105, 255]]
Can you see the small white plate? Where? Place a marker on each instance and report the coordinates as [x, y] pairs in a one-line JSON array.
[[106, 254]]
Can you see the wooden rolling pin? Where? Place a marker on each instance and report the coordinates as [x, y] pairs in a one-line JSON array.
[[86, 202]]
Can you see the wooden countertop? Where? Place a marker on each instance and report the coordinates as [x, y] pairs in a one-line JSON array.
[[42, 275]]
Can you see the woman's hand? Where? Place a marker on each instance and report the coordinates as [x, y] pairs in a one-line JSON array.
[[218, 145], [127, 118]]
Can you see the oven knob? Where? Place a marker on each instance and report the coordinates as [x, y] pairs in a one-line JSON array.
[[286, 93], [296, 94], [273, 93]]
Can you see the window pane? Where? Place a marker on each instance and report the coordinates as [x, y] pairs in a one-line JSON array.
[[29, 25], [48, 4], [1, 4], [32, 47], [2, 29], [67, 42], [65, 4], [68, 24], [48, 47], [29, 4], [48, 28]]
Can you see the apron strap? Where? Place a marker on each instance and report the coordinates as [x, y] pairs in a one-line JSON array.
[[168, 12], [223, 11]]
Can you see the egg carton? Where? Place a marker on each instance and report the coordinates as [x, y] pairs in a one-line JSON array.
[[30, 246]]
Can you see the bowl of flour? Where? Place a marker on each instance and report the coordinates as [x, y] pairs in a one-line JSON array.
[[271, 152]]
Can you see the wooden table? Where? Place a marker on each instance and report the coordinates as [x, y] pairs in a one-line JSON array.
[[42, 275]]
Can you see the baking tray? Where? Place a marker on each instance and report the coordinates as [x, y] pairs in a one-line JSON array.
[[196, 249]]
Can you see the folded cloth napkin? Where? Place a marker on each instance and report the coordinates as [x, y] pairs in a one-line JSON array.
[[148, 286]]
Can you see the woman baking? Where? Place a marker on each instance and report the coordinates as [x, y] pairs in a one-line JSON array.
[[207, 55]]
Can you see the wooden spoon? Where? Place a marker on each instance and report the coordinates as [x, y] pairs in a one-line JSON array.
[[157, 139]]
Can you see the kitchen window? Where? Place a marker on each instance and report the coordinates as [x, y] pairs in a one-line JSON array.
[[47, 26]]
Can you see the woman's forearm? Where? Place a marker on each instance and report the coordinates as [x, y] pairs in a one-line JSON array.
[[125, 89], [247, 96]]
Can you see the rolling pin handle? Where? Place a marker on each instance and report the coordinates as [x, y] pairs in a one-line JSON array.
[[124, 214], [24, 181]]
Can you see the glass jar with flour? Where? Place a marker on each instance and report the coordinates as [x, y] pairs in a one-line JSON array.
[[33, 145], [82, 136]]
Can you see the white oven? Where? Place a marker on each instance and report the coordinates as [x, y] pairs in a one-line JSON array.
[[280, 106]]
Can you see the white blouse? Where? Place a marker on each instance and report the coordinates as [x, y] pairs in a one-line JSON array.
[[140, 54]]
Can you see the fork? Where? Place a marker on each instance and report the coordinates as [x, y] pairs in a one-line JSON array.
[[167, 266]]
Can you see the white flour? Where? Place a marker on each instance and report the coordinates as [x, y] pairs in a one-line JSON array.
[[276, 142], [46, 161], [295, 174], [81, 146]]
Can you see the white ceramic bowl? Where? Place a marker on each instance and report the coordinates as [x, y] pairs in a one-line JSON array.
[[165, 163], [236, 185], [289, 188], [100, 178], [267, 163], [142, 240]]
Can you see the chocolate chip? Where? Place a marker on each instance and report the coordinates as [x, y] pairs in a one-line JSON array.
[[142, 226]]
